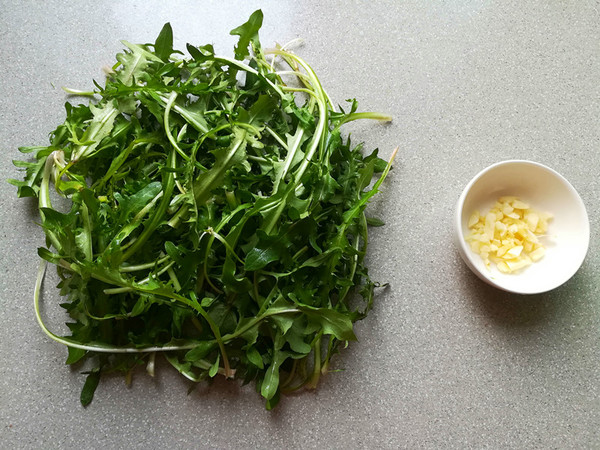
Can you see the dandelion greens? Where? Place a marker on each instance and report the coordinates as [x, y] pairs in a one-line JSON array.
[[216, 216]]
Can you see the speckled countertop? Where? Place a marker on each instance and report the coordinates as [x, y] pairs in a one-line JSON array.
[[443, 361]]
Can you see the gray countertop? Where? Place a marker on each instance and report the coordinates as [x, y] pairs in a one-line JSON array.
[[443, 360]]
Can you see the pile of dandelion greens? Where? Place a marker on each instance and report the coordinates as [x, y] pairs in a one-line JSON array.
[[216, 217]]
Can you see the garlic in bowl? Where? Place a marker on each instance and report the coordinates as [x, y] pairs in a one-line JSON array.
[[541, 194], [508, 235]]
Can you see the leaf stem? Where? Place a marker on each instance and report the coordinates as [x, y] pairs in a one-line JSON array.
[[78, 92], [367, 115], [145, 266], [171, 99], [316, 374], [44, 199]]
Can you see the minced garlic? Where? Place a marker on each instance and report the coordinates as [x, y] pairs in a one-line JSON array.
[[508, 234]]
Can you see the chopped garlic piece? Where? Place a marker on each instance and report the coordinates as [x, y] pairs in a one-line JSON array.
[[502, 267], [532, 220], [515, 265], [507, 209], [474, 219], [518, 204], [515, 251], [537, 254], [490, 224], [507, 234], [502, 250]]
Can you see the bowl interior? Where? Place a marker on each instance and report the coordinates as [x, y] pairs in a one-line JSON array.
[[545, 190]]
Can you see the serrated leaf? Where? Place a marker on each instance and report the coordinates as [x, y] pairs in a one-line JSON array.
[[99, 128], [33, 174], [248, 33], [283, 321], [295, 337], [202, 53], [331, 321], [130, 205]]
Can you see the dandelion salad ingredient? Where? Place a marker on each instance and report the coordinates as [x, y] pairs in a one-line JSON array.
[[216, 216]]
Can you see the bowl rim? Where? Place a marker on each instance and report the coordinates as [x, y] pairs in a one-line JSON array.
[[460, 238]]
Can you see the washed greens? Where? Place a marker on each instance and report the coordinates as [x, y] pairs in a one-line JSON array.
[[216, 216]]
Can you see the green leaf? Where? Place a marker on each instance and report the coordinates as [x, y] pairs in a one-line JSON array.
[[261, 110], [207, 301], [134, 63], [295, 337], [201, 54], [130, 205], [258, 258], [223, 316], [270, 384], [248, 33], [164, 43], [254, 357], [140, 306], [283, 321], [273, 401], [247, 329], [184, 368], [101, 125], [47, 255], [331, 322], [229, 276], [214, 368], [87, 195], [321, 259], [375, 222], [75, 354], [89, 387], [193, 113], [33, 174], [224, 159], [380, 165], [268, 248], [306, 118], [200, 351]]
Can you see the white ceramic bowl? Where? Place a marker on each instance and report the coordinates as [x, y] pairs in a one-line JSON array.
[[545, 190]]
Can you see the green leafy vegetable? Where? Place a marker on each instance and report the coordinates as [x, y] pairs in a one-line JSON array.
[[216, 216], [89, 387]]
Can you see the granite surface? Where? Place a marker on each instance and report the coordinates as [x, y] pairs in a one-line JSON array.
[[443, 360]]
